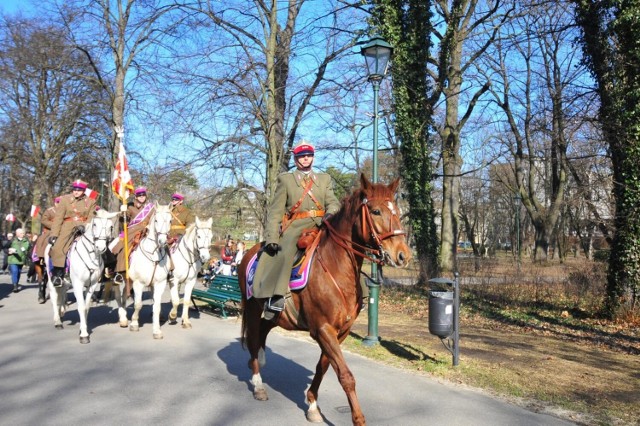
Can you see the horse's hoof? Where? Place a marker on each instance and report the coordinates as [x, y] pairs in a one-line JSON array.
[[134, 328], [314, 416], [59, 327], [41, 300], [84, 340], [260, 394], [186, 325], [158, 336], [124, 324]]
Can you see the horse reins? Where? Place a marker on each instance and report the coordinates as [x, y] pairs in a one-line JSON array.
[[360, 250]]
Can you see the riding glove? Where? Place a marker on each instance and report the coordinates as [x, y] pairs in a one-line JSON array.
[[271, 249], [326, 218], [52, 240]]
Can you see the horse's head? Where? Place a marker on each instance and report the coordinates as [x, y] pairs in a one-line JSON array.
[[161, 224], [203, 236], [380, 227], [101, 229]]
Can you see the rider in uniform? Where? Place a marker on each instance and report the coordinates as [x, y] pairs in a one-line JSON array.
[[74, 210], [181, 217], [138, 213], [303, 199], [47, 222]]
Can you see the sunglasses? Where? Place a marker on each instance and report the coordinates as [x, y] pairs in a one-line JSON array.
[[142, 194], [175, 199], [305, 155]]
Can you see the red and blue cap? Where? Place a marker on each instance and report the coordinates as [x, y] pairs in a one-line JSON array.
[[141, 190], [177, 196], [303, 149]]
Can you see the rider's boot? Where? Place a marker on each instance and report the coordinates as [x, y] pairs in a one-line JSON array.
[[58, 276]]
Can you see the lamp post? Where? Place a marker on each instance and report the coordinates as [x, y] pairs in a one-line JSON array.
[[517, 200], [102, 176], [377, 53]]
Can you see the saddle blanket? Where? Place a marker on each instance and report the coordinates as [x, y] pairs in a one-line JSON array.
[[297, 281]]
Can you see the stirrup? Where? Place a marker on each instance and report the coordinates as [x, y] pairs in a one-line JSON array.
[[118, 278], [57, 282], [275, 303]]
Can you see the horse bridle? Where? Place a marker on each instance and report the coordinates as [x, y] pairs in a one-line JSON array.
[[378, 254], [91, 246], [157, 231], [195, 254]]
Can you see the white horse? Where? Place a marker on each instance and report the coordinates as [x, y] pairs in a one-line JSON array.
[[149, 266], [191, 253], [86, 265]]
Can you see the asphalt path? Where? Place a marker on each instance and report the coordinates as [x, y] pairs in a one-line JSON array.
[[200, 376]]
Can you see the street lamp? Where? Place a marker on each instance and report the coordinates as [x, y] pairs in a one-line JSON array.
[[377, 53], [517, 200], [102, 176]]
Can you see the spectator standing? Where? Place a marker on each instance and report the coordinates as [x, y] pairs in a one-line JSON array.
[[18, 254], [6, 243], [238, 257], [227, 257]]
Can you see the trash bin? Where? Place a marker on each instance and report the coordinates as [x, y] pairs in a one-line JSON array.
[[441, 313]]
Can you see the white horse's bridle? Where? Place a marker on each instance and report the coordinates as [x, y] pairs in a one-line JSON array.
[[90, 245], [201, 243]]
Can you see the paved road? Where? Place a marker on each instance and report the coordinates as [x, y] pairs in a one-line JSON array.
[[199, 377]]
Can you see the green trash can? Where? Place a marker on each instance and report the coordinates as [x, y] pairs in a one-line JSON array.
[[441, 313]]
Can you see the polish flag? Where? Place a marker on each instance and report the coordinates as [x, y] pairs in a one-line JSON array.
[[121, 183], [91, 193], [10, 218], [35, 210]]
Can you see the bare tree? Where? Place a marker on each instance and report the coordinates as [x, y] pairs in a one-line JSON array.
[[51, 112], [536, 71]]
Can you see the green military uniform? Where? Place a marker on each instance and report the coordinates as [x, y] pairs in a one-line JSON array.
[[70, 213], [43, 239], [273, 272], [181, 217]]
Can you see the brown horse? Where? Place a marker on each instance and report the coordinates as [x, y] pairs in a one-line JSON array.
[[367, 225]]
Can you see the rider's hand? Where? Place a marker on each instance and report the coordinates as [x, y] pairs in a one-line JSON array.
[[272, 249], [52, 240], [80, 229], [326, 218]]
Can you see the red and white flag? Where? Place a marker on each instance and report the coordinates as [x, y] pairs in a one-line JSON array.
[[10, 218], [121, 183], [91, 193], [35, 210]]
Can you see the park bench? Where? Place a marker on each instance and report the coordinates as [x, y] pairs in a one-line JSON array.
[[222, 292]]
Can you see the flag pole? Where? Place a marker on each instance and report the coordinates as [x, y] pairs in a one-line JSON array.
[[123, 209]]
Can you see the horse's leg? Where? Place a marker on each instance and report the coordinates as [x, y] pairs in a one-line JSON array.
[[57, 322], [329, 342], [138, 288], [118, 294], [158, 290], [186, 300], [174, 288], [82, 303], [41, 283], [255, 341]]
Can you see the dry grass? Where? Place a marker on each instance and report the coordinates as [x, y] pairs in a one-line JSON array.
[[532, 332]]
